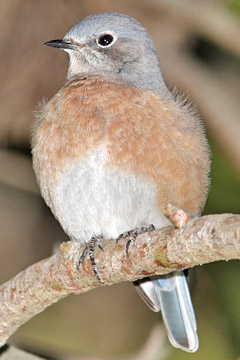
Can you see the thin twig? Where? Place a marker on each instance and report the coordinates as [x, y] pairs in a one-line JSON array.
[[201, 240]]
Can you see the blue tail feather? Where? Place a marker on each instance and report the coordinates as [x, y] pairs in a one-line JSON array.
[[170, 294]]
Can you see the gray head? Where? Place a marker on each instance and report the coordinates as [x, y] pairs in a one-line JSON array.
[[112, 45]]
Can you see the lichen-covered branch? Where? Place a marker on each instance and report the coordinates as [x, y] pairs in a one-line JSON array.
[[201, 240]]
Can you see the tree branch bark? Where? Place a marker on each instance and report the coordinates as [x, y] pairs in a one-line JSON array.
[[202, 240]]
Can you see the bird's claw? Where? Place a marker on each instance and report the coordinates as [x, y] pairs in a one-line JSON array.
[[135, 232], [90, 250]]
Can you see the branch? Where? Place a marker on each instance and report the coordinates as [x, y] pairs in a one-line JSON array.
[[201, 240], [206, 18]]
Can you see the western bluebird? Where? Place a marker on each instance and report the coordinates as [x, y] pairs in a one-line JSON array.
[[114, 146]]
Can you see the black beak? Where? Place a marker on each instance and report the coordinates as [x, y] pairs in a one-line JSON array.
[[62, 44]]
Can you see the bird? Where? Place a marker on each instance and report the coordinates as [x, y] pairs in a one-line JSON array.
[[114, 146]]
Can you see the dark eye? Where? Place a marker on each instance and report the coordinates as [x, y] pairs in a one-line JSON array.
[[105, 40]]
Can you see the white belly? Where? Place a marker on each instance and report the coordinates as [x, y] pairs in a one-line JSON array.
[[93, 200]]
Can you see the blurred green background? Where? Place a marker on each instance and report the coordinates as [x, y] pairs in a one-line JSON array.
[[198, 43]]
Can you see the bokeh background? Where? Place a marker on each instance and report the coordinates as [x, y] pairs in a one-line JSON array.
[[198, 43]]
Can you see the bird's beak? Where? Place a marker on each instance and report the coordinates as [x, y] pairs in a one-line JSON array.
[[62, 44]]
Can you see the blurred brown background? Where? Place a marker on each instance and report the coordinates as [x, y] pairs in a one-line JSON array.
[[198, 43]]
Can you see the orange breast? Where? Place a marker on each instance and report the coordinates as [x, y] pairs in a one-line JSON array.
[[143, 134]]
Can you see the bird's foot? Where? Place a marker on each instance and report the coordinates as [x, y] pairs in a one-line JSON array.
[[134, 233], [89, 249]]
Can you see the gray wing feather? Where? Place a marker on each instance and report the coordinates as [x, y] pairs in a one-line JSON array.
[[146, 288]]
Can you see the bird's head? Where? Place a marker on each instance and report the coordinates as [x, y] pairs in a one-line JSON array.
[[114, 45]]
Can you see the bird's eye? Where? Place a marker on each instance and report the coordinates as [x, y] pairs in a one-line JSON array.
[[105, 40]]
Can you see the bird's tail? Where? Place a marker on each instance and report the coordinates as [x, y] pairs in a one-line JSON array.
[[170, 294]]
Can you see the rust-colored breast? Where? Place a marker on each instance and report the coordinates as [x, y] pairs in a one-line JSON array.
[[143, 134]]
